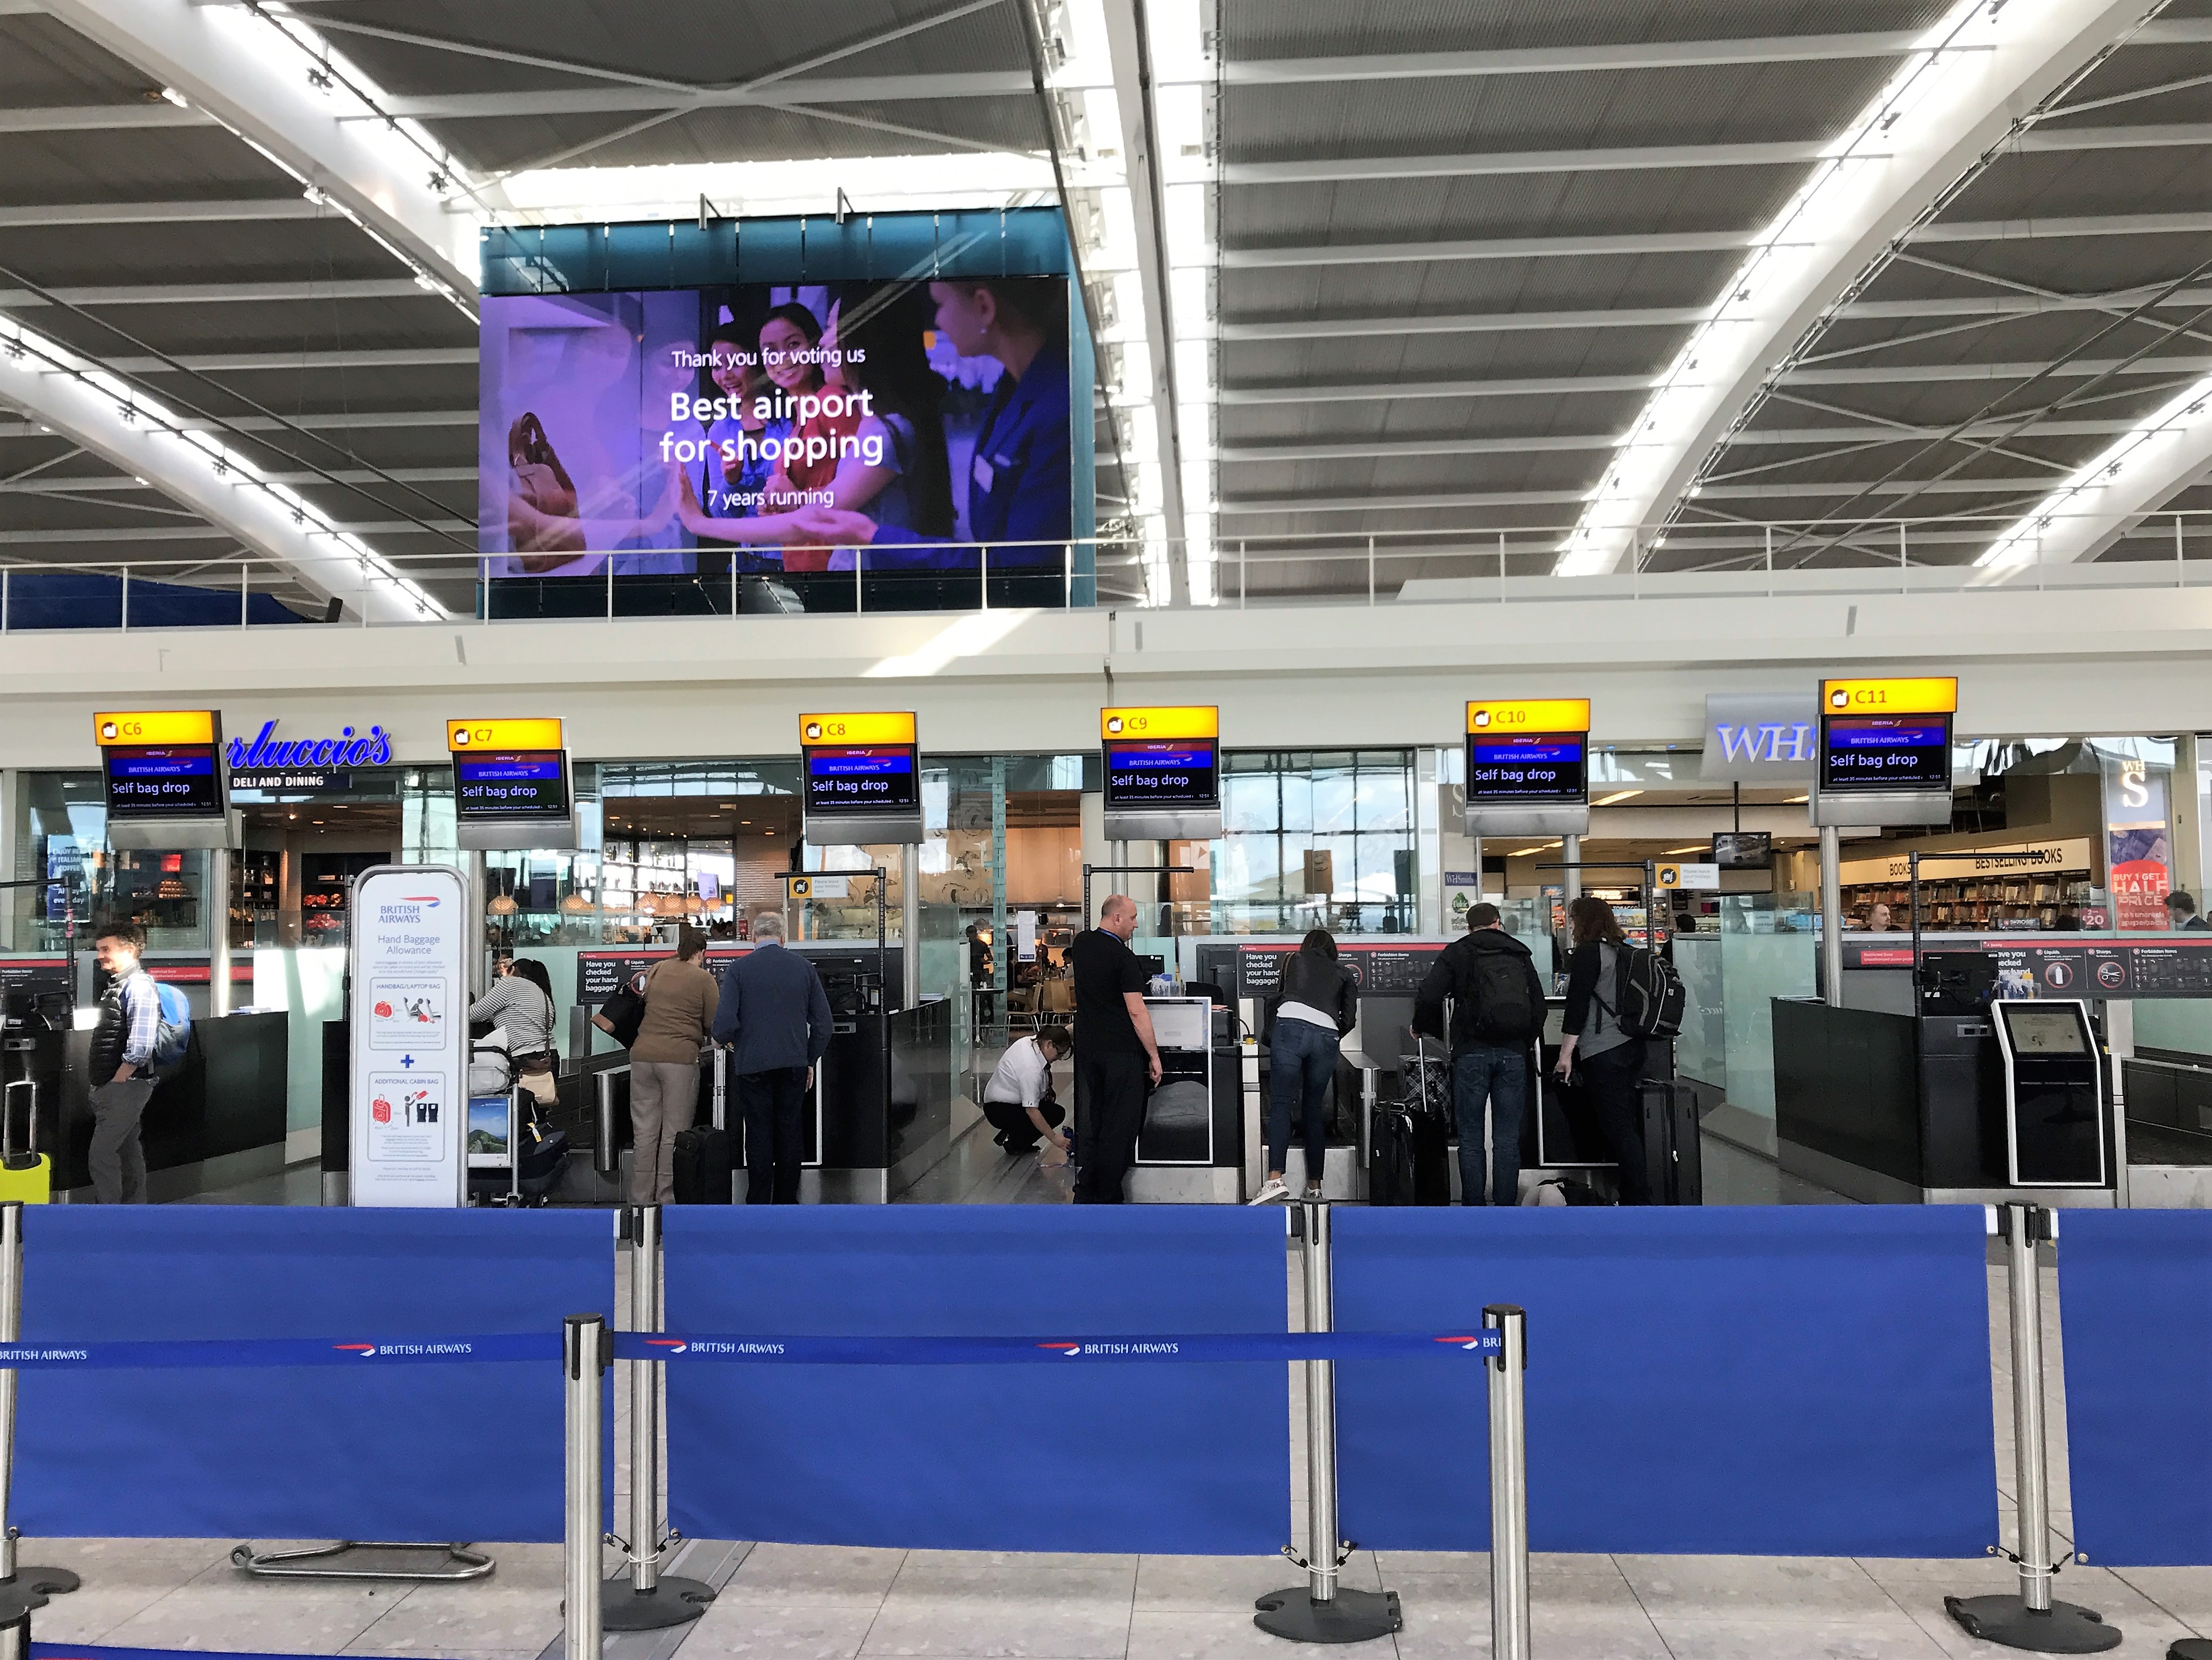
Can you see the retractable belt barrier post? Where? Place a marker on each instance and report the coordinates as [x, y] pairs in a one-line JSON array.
[[1508, 1482], [2033, 1620], [45, 1581], [647, 1602], [1324, 1612], [585, 1353]]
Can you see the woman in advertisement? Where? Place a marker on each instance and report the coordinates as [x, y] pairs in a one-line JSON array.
[[1019, 481]]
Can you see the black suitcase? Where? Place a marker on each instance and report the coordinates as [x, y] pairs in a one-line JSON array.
[[1390, 1164], [703, 1166], [1673, 1155], [1431, 1158]]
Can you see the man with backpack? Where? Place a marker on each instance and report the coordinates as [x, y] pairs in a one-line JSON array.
[[124, 1053], [1497, 1009]]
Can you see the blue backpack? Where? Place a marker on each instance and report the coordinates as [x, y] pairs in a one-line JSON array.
[[174, 1036]]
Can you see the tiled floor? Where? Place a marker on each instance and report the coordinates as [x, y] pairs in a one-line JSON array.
[[819, 1603]]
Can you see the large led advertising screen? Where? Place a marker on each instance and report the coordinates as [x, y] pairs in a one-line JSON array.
[[788, 432]]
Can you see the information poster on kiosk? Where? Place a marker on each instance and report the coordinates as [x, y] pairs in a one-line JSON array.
[[407, 1096]]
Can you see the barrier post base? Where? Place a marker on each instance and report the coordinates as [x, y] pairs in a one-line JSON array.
[[335, 1561], [44, 1582], [673, 1601], [1352, 1617], [2190, 1648], [2066, 1629]]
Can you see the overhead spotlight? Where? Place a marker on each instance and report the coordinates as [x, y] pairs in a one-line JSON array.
[[319, 78], [440, 180], [172, 95]]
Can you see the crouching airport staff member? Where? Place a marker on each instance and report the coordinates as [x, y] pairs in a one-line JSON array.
[[1116, 1060], [1018, 1101]]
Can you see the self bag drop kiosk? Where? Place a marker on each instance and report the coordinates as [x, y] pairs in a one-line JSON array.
[[883, 1093], [2054, 1094]]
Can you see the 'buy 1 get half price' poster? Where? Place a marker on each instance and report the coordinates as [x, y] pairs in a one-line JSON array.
[[409, 1035]]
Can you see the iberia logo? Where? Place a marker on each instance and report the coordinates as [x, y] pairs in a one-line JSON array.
[[380, 1110]]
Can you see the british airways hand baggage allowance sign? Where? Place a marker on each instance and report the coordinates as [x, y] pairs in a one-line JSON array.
[[407, 1094]]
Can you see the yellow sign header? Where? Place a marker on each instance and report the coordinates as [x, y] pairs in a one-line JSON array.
[[1530, 714], [503, 735], [1930, 695], [156, 726], [1189, 720], [881, 728]]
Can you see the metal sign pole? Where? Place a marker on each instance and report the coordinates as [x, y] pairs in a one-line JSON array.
[[2033, 1620], [647, 1601], [19, 1579], [1323, 1611], [584, 1350], [1508, 1483], [1831, 916]]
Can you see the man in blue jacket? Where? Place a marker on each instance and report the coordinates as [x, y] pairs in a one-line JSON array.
[[774, 1012]]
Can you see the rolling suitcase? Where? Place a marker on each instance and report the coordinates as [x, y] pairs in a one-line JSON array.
[[1674, 1157], [1431, 1158], [25, 1174], [703, 1166], [1390, 1167]]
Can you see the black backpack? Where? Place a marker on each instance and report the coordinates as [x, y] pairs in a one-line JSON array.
[[1494, 989], [1648, 998]]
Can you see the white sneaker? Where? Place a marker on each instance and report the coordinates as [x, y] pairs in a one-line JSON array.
[[1274, 1189]]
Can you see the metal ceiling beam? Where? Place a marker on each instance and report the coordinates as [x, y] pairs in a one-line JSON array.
[[159, 213], [2035, 54], [350, 421], [403, 357], [1333, 169], [1384, 325], [1133, 93], [622, 100], [117, 483], [1364, 449], [101, 117], [2106, 503], [1397, 500], [2149, 135], [2096, 224], [1569, 60], [69, 405], [1904, 374], [1633, 244], [219, 294], [250, 77]]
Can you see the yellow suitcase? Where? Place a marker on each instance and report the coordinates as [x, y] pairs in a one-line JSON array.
[[26, 1177], [32, 1184]]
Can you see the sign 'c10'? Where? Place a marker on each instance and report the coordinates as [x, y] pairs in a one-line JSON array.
[[1528, 715]]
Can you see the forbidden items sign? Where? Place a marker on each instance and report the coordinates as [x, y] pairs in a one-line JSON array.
[[408, 1022]]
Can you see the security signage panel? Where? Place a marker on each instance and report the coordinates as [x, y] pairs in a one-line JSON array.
[[2055, 1098], [407, 1092], [1162, 772], [1885, 752], [1528, 767], [161, 763], [862, 776]]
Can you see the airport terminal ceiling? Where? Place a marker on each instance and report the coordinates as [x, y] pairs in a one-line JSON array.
[[1443, 278]]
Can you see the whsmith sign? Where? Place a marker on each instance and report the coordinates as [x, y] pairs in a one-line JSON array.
[[1757, 738]]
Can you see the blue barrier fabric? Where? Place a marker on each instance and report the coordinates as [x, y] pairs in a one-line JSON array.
[[1025, 1351], [62, 1354], [357, 1451], [1785, 1381], [2134, 1290], [1191, 1458]]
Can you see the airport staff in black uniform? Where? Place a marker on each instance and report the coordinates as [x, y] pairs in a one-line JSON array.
[[1117, 1061]]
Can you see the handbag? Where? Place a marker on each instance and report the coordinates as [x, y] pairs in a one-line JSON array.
[[622, 1014]]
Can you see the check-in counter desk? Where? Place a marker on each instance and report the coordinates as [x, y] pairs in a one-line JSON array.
[[881, 1114], [219, 1122], [1190, 1148], [1890, 1103]]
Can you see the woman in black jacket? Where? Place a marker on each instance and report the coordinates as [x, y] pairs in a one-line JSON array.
[[1607, 1060], [1318, 1007]]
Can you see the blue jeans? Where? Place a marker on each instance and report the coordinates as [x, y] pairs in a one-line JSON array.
[[1301, 1061], [1499, 1074]]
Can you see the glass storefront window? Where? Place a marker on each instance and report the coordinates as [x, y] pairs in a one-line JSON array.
[[61, 846], [1355, 805]]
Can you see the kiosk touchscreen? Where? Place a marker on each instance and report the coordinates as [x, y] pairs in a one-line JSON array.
[[1528, 767], [2054, 1093]]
